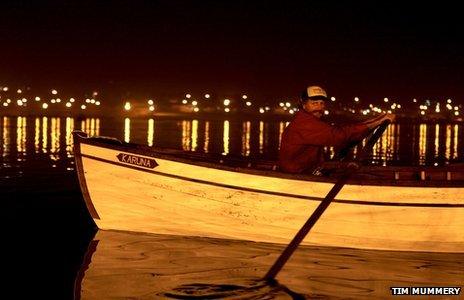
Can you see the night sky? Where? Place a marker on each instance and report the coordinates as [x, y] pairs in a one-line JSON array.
[[268, 51]]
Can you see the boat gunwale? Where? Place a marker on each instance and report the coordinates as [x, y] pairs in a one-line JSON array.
[[221, 163]]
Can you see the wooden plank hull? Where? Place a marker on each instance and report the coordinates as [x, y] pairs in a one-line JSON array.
[[187, 199]]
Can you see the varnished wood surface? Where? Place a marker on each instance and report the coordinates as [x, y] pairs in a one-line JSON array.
[[189, 199]]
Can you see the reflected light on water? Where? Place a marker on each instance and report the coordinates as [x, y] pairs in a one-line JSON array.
[[97, 126], [21, 134], [55, 139], [226, 137], [206, 137], [186, 135], [246, 128], [455, 143], [194, 135], [282, 126], [397, 141], [382, 148], [69, 139], [448, 142], [44, 134], [388, 146], [6, 136], [437, 140], [376, 149], [91, 126], [422, 143], [331, 152], [37, 135], [150, 132], [127, 130]]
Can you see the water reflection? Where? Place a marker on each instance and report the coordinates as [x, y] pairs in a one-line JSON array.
[[194, 135], [69, 139], [456, 132], [186, 135], [421, 144], [44, 134], [396, 136], [150, 132], [37, 135], [21, 134], [282, 126], [127, 130], [149, 266], [5, 136], [261, 136], [225, 137], [437, 140], [55, 139], [246, 133], [205, 148]]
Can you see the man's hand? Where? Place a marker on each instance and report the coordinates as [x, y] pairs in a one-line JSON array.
[[390, 117], [372, 123]]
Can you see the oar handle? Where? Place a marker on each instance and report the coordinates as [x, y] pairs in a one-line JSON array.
[[301, 234]]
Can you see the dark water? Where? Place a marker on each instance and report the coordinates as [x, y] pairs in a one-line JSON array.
[[402, 144], [53, 250]]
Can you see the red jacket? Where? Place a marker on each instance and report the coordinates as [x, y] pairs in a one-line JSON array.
[[304, 138]]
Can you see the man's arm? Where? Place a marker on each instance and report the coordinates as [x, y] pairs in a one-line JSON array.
[[320, 133]]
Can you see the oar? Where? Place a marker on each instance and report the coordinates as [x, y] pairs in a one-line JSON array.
[[351, 168], [343, 153]]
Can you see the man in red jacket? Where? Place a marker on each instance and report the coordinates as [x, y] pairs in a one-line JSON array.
[[304, 138]]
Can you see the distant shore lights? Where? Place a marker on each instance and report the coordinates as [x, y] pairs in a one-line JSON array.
[[151, 105], [26, 100], [226, 104]]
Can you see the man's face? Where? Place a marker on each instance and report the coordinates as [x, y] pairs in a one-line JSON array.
[[315, 107]]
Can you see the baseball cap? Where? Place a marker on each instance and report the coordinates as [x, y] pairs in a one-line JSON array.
[[313, 92]]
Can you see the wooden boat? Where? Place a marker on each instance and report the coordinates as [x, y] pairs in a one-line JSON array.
[[138, 188]]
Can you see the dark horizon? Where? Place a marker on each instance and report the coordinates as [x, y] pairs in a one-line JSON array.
[[265, 50]]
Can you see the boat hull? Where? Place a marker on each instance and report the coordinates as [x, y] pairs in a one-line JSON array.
[[187, 199]]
